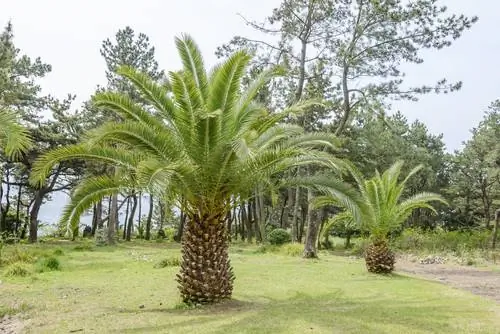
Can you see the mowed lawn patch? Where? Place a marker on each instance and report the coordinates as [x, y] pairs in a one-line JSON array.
[[119, 290]]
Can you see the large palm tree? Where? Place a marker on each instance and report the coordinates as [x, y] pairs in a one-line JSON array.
[[14, 138], [202, 138], [383, 210]]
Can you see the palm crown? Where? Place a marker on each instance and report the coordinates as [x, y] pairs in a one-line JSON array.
[[384, 209], [200, 137]]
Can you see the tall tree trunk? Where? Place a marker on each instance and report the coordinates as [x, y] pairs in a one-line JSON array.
[[243, 217], [229, 221], [180, 228], [35, 209], [94, 219], [131, 218], [113, 215], [495, 229], [206, 275], [125, 223], [150, 218], [5, 209], [139, 203], [249, 222], [295, 215], [18, 208], [100, 223], [312, 230]]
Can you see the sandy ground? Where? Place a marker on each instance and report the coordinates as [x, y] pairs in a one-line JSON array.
[[482, 282], [10, 325]]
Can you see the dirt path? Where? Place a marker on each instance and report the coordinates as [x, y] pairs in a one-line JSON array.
[[10, 325], [481, 282]]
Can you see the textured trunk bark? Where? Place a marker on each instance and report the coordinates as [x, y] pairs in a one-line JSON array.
[[296, 202], [6, 208], [112, 220], [495, 229], [206, 275], [150, 218], [35, 209], [99, 214], [312, 231], [18, 208], [180, 228], [131, 218]]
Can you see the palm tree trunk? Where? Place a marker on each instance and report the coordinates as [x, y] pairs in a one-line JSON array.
[[206, 275]]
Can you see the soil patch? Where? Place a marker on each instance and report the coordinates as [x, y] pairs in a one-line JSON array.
[[10, 325], [479, 281]]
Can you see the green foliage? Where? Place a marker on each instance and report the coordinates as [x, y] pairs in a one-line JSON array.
[[19, 254], [84, 247], [101, 237], [18, 269], [279, 236], [440, 240], [170, 233], [204, 142], [384, 210], [290, 249], [168, 262], [58, 252], [50, 263]]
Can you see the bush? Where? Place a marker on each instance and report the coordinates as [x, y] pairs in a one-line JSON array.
[[58, 252], [279, 236], [360, 246], [440, 240], [168, 262], [86, 247], [170, 233], [18, 269], [20, 255], [48, 264], [101, 237], [292, 249]]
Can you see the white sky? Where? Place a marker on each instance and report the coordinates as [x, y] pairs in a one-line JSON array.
[[68, 33]]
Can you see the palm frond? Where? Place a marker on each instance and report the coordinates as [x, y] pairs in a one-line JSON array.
[[14, 138], [154, 93], [109, 155], [192, 61], [87, 193]]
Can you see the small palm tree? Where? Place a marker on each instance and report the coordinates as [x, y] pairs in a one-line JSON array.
[[384, 211], [199, 137], [14, 138]]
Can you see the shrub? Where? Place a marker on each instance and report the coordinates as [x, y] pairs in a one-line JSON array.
[[292, 249], [84, 247], [439, 240], [170, 233], [101, 236], [58, 252], [18, 269], [279, 236], [360, 246], [168, 262], [48, 264], [20, 255]]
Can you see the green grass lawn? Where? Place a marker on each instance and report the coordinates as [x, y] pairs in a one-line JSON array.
[[103, 290]]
